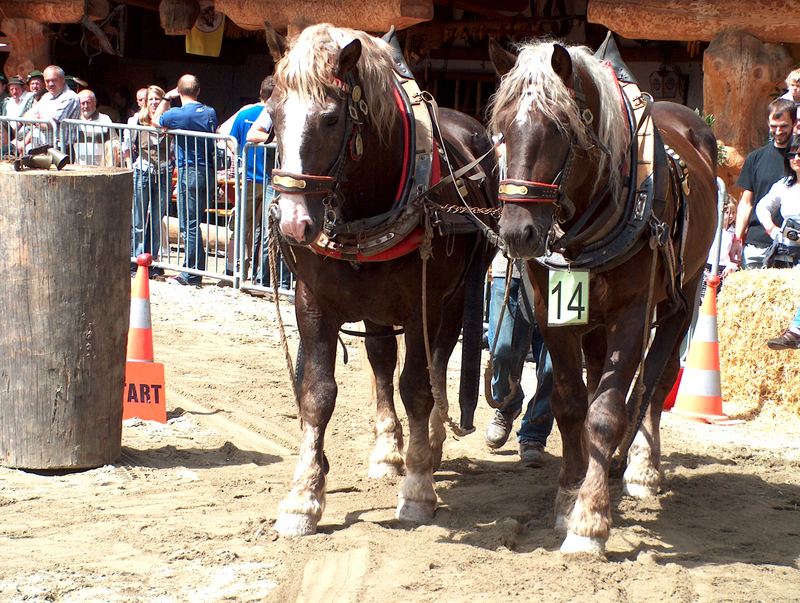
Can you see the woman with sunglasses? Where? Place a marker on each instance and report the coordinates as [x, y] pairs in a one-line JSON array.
[[783, 199]]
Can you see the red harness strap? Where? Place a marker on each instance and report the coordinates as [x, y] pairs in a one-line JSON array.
[[413, 240]]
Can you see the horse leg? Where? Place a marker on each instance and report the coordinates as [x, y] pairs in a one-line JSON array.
[[301, 509], [642, 477], [590, 520], [387, 455], [416, 500], [569, 404]]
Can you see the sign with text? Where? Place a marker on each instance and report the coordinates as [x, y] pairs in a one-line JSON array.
[[568, 298], [144, 396]]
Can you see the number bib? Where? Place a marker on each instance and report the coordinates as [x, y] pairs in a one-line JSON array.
[[568, 298]]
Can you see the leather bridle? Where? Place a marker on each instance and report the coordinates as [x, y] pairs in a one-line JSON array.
[[351, 148], [519, 191]]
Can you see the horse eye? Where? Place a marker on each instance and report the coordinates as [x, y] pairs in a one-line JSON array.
[[330, 119]]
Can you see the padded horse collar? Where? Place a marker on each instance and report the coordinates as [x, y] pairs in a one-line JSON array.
[[393, 233]]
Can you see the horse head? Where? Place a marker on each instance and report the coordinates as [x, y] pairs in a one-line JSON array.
[[563, 136], [332, 111]]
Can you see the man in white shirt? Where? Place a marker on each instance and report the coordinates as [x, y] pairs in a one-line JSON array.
[[57, 104], [18, 100], [94, 144]]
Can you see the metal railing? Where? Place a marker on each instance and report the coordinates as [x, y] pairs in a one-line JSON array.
[[19, 134], [199, 206], [252, 222]]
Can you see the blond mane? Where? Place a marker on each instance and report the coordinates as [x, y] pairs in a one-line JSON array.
[[533, 86], [307, 70]]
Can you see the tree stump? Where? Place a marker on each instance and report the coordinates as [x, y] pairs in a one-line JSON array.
[[65, 299]]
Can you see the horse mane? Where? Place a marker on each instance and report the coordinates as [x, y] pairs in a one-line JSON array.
[[307, 70], [532, 85]]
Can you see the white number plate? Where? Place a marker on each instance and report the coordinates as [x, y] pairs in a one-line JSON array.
[[568, 298]]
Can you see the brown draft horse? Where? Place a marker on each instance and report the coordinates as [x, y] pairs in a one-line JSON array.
[[340, 137], [568, 143]]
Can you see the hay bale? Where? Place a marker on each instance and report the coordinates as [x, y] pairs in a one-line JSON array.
[[753, 306]]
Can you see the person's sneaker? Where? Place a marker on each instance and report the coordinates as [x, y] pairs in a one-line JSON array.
[[499, 428], [531, 454], [788, 340]]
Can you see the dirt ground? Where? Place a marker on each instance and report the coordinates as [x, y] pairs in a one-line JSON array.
[[186, 512]]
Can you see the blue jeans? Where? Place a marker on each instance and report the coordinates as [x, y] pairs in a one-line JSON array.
[[195, 183], [510, 352], [151, 193], [795, 326]]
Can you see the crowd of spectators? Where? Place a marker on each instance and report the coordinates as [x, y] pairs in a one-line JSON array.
[[179, 168]]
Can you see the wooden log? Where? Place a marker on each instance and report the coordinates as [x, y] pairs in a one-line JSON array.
[[64, 257], [369, 15], [690, 20], [30, 46], [178, 16], [740, 76]]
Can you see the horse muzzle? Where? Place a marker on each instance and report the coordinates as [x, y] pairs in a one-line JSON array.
[[295, 223], [523, 237]]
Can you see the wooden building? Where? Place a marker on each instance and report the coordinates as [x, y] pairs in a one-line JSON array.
[[724, 57]]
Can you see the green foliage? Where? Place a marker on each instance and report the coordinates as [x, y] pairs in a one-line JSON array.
[[722, 153]]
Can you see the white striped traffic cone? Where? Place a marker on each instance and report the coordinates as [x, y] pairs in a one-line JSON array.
[[700, 391], [144, 396]]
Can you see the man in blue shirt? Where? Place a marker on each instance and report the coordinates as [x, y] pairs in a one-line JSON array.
[[196, 158], [258, 163]]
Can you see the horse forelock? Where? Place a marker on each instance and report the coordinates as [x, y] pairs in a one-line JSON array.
[[532, 86], [307, 72]]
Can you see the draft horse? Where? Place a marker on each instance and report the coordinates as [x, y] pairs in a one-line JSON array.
[[350, 195], [574, 200]]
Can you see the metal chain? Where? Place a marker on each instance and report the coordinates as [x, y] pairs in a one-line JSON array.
[[459, 209]]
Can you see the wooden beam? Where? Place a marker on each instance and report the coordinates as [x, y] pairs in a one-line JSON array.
[[689, 20]]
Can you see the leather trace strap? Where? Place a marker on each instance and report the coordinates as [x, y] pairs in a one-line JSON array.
[[305, 184], [527, 191]]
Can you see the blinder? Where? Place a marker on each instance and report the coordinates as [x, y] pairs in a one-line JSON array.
[[352, 148], [527, 191]]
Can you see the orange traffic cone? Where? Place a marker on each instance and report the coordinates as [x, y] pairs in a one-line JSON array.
[[144, 396], [700, 391]]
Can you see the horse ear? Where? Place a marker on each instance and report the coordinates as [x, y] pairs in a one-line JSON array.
[[275, 42], [502, 60], [348, 57], [387, 37], [561, 63]]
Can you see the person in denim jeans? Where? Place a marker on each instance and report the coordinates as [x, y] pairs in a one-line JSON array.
[[196, 177], [152, 181], [509, 343]]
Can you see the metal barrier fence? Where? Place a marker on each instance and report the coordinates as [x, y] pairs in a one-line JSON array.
[[185, 188], [199, 206], [20, 134], [252, 222]]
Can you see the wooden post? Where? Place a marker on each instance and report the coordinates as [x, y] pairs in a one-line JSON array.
[[64, 259]]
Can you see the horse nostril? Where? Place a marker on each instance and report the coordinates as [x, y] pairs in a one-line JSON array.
[[529, 235]]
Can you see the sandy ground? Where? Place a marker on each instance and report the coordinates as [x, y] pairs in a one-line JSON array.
[[186, 512]]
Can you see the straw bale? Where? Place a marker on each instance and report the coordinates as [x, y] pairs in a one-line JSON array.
[[753, 306]]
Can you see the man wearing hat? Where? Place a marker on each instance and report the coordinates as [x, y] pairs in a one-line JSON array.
[[18, 100], [36, 84]]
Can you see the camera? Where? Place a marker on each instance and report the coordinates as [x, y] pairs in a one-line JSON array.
[[791, 229]]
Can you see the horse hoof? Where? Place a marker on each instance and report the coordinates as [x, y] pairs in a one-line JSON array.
[[292, 525], [381, 470], [577, 545], [561, 524], [639, 490], [415, 511]]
